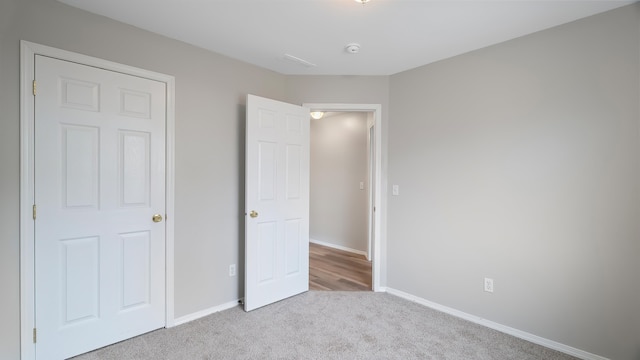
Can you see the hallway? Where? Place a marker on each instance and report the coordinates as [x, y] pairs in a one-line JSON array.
[[333, 269]]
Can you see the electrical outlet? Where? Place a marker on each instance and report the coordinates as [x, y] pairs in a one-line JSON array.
[[232, 270], [488, 285], [395, 190]]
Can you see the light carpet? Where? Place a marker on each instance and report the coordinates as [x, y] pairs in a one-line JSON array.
[[328, 325]]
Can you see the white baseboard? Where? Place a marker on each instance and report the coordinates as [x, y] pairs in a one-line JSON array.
[[197, 315], [339, 247], [499, 327]]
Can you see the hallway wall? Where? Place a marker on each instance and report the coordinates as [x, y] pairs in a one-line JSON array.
[[339, 155]]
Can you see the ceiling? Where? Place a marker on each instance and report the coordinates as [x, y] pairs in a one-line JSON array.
[[394, 35]]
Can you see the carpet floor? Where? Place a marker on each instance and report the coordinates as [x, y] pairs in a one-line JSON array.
[[328, 325]]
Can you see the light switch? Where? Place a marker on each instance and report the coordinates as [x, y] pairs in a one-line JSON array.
[[361, 185], [395, 190]]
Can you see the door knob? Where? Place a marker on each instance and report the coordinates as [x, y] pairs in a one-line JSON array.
[[157, 218], [253, 214]]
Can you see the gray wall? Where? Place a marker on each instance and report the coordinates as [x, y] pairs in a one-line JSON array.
[[339, 158], [211, 91], [520, 162]]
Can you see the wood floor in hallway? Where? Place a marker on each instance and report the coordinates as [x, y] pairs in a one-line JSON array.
[[333, 269]]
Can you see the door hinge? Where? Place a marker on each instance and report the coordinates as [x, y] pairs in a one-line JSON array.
[[34, 335], [34, 88], [34, 211]]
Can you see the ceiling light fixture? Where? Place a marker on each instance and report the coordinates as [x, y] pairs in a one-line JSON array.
[[362, 1], [317, 115]]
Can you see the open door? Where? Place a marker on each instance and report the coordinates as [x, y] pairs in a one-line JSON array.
[[276, 202]]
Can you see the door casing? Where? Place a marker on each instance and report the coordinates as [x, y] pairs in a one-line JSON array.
[[378, 266], [28, 51]]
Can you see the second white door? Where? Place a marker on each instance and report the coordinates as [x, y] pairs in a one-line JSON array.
[[277, 201]]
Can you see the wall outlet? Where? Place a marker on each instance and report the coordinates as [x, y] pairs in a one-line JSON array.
[[395, 190], [232, 270], [488, 285]]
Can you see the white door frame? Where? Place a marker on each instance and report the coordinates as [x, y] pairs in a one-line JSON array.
[[28, 51], [376, 109], [371, 176]]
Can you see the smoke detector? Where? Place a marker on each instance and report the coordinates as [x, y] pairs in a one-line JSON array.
[[352, 48]]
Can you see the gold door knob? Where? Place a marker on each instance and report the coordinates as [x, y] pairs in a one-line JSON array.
[[253, 214], [157, 218]]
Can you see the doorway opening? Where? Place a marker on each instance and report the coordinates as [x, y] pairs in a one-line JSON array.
[[339, 249], [360, 187]]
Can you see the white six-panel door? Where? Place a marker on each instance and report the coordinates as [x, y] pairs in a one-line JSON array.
[[277, 201], [99, 180]]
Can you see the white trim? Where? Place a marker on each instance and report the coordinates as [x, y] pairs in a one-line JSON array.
[[499, 327], [206, 312], [378, 238], [170, 182], [339, 247], [28, 51], [371, 156], [27, 291]]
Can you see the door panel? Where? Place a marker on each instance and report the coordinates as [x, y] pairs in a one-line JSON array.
[[79, 267], [80, 166], [99, 178], [293, 237], [134, 179], [135, 275], [294, 172], [277, 191], [267, 170]]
